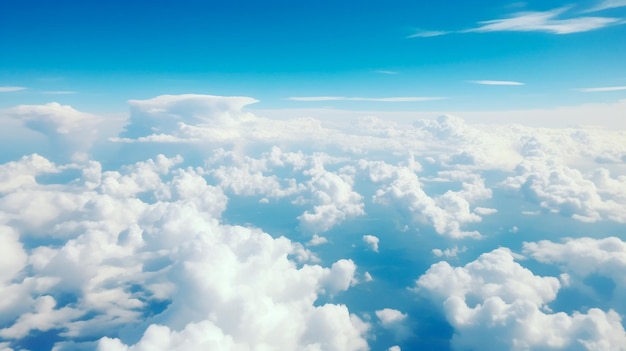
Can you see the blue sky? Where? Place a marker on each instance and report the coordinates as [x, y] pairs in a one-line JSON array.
[[293, 175], [107, 51]]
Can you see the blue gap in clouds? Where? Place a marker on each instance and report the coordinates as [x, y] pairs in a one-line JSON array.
[[403, 257], [38, 340]]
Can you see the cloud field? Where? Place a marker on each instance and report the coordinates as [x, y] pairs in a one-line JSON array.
[[193, 223]]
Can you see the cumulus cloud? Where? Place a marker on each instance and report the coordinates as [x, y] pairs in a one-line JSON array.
[[493, 303], [133, 252], [583, 257], [371, 241], [395, 321], [447, 212], [122, 254], [69, 130], [334, 199]]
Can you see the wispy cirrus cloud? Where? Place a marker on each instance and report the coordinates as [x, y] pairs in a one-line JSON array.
[[59, 92], [495, 82], [601, 89], [387, 99], [383, 71], [536, 21], [607, 4], [428, 34], [10, 89]]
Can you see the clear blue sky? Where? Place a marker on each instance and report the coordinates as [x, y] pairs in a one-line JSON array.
[[106, 52]]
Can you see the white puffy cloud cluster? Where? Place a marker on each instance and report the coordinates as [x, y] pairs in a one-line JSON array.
[[447, 212], [70, 132], [493, 303], [584, 257], [138, 257], [119, 255], [371, 241]]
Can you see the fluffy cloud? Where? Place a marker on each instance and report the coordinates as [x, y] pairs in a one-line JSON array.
[[69, 130], [147, 255], [123, 254], [395, 321], [446, 212], [371, 241], [493, 303], [584, 257]]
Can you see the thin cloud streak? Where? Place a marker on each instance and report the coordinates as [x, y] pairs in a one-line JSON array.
[[601, 89], [386, 72], [537, 21], [59, 92], [388, 99], [11, 89], [429, 34], [495, 82], [608, 4]]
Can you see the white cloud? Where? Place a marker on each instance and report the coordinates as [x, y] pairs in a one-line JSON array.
[[317, 240], [389, 317], [68, 129], [447, 212], [602, 89], [394, 320], [59, 92], [6, 89], [371, 241], [387, 72], [121, 253], [386, 99], [607, 4], [119, 240], [535, 21], [496, 82], [483, 211], [493, 303], [449, 253], [333, 197], [582, 257], [546, 21], [428, 34]]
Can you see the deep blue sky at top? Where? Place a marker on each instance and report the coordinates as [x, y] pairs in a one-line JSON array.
[[115, 50]]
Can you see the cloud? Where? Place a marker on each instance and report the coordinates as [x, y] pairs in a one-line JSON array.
[[387, 72], [6, 89], [495, 82], [317, 240], [535, 21], [70, 131], [151, 233], [584, 257], [546, 21], [601, 89], [493, 303], [180, 243], [394, 320], [371, 241], [59, 92], [428, 34], [387, 99], [449, 253], [607, 4]]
